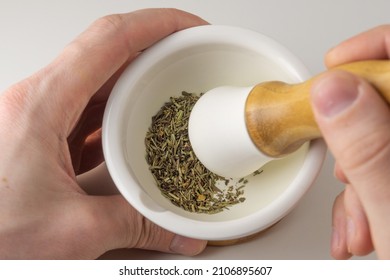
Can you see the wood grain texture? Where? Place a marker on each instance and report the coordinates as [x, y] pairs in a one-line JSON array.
[[279, 117]]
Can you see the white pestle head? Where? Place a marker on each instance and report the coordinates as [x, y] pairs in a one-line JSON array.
[[218, 133]]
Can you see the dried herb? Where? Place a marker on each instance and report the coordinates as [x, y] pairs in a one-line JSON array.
[[180, 176], [257, 172]]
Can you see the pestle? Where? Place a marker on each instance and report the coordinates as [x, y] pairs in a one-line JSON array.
[[234, 131]]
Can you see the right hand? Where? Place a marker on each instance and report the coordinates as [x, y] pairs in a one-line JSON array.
[[355, 122]]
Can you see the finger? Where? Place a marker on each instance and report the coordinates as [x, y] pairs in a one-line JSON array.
[[85, 139], [69, 82], [339, 247], [117, 225], [358, 232], [103, 93], [101, 50], [339, 174], [92, 153], [355, 123], [372, 44]]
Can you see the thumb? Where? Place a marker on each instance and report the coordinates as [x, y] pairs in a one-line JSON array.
[[119, 225], [355, 122]]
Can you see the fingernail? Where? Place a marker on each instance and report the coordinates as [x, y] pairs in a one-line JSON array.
[[187, 246], [351, 230], [333, 93]]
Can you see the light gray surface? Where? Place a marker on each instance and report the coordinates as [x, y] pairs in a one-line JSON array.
[[34, 32]]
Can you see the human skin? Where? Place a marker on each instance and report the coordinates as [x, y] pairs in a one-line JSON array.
[[50, 127], [355, 122]]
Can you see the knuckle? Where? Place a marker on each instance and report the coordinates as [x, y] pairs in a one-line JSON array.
[[110, 22], [369, 152], [148, 236], [15, 100]]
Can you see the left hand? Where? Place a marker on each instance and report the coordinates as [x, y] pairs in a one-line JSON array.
[[50, 132]]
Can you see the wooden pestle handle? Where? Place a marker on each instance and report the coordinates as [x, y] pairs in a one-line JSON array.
[[279, 117]]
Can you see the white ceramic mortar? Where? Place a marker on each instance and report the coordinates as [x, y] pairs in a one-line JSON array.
[[196, 60]]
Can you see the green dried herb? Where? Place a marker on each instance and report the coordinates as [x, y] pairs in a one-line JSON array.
[[180, 176], [257, 172]]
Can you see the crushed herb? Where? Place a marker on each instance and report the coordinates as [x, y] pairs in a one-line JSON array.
[[179, 175]]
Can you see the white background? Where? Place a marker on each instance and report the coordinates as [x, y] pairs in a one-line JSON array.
[[34, 32]]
